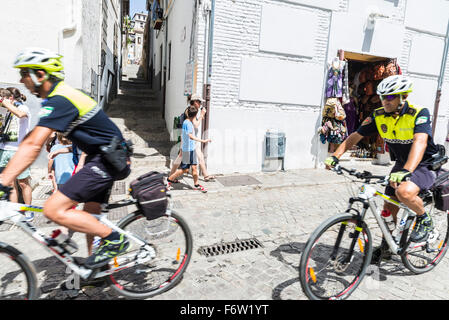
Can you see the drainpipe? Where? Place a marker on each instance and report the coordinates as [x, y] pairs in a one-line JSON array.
[[69, 28], [440, 81], [208, 75]]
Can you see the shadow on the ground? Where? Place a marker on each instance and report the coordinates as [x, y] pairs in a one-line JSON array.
[[52, 274], [290, 254]]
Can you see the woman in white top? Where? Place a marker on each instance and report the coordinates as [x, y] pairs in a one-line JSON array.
[[18, 127]]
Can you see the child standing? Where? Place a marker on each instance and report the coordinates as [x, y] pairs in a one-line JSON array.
[[189, 158], [61, 165]]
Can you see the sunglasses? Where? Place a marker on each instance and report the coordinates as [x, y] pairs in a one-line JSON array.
[[24, 72], [388, 97]]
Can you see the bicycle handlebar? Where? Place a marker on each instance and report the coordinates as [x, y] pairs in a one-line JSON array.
[[365, 175]]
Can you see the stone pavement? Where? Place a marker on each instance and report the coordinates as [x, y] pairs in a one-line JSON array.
[[281, 211]]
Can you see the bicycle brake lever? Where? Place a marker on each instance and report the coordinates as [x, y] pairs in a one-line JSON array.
[[337, 169]]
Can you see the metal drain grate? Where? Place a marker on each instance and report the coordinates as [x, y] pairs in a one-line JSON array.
[[230, 247]]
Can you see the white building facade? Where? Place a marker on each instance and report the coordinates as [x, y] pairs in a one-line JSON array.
[[267, 63], [140, 20], [86, 33]]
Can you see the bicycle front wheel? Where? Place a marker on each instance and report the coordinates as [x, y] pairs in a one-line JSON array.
[[17, 275], [335, 258], [171, 239]]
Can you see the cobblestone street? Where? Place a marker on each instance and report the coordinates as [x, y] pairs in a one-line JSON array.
[[280, 212]]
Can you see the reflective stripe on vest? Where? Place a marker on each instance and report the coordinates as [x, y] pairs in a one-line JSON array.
[[400, 130], [87, 107]]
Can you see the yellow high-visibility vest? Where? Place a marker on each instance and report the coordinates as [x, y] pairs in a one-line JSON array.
[[397, 130], [87, 107], [80, 100]]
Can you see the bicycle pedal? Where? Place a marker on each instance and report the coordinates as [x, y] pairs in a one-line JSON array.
[[433, 236]]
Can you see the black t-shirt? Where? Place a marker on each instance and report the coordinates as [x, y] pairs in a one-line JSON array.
[[58, 113], [402, 150]]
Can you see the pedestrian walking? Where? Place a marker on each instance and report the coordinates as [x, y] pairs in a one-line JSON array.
[[189, 157], [195, 101], [13, 100]]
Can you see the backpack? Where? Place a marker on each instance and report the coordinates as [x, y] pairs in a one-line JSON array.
[[151, 194], [182, 117]]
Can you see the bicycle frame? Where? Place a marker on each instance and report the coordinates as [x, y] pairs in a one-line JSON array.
[[15, 213], [367, 196]]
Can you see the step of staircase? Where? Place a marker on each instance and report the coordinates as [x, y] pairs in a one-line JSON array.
[[137, 113]]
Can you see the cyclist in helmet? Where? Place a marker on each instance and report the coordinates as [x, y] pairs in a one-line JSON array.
[[407, 131], [76, 115]]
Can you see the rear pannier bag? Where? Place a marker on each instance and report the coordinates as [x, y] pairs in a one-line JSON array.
[[151, 194], [441, 190]]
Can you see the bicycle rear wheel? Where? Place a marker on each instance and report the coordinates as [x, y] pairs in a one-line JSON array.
[[423, 257], [171, 239], [335, 258], [17, 275]]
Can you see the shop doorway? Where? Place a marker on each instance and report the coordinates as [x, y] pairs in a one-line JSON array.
[[363, 73]]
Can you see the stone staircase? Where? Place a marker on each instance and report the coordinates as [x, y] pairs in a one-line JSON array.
[[137, 113]]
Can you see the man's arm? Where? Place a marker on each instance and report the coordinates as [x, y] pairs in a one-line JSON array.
[[417, 151], [28, 151], [351, 141]]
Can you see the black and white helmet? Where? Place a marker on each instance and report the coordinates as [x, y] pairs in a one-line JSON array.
[[398, 84]]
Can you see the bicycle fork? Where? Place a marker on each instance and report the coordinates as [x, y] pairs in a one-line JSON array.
[[354, 235]]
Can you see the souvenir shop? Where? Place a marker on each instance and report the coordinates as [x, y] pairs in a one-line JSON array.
[[351, 84]]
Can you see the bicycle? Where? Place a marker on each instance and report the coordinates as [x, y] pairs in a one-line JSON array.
[[159, 253], [339, 251]]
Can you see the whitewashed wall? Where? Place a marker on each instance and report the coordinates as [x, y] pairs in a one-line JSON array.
[[270, 60], [180, 28], [268, 73]]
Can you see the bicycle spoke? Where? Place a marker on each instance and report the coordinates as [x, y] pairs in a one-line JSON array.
[[335, 260], [423, 257], [13, 281], [148, 270]]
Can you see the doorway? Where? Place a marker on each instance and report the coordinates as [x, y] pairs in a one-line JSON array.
[[365, 72]]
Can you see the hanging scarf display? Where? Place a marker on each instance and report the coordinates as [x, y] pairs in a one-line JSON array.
[[335, 80]]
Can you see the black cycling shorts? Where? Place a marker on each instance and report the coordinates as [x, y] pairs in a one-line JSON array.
[[93, 183], [422, 177]]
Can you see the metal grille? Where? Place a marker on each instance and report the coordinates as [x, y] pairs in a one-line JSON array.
[[230, 247]]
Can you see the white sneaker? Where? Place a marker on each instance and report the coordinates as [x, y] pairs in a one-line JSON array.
[[29, 216]]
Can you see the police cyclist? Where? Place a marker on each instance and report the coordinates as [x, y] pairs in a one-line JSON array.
[[407, 131], [76, 115]]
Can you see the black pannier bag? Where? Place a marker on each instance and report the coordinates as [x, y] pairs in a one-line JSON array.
[[440, 190], [151, 194]]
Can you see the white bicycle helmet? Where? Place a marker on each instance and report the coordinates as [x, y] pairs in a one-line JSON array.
[[398, 84], [42, 59]]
